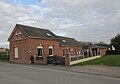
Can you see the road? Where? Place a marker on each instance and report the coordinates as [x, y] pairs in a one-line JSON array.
[[37, 74]]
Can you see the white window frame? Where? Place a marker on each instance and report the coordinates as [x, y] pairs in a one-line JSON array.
[[40, 47], [16, 52], [50, 47], [16, 36], [19, 35]]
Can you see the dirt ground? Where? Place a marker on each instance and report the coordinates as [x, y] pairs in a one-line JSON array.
[[98, 70]]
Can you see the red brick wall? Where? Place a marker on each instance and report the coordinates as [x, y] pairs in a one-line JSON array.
[[17, 30], [58, 50], [70, 49], [22, 46], [28, 46], [103, 51], [33, 43]]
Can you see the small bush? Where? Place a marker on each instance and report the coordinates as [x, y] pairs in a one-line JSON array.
[[4, 56], [113, 52]]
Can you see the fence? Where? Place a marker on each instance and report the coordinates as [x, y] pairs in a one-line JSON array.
[[75, 59]]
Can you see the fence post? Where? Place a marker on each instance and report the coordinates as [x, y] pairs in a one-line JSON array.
[[67, 60], [83, 54], [91, 53], [45, 58], [34, 58]]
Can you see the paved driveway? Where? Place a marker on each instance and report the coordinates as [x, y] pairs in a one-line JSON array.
[[37, 74]]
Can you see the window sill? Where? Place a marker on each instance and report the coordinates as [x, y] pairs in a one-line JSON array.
[[15, 58], [39, 56], [50, 55]]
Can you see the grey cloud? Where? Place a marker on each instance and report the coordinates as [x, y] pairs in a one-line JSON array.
[[99, 18], [10, 15], [85, 20]]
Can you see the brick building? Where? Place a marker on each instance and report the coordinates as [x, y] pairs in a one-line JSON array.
[[26, 41], [2, 50]]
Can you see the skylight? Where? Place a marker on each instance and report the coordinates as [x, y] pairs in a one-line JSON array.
[[48, 34], [64, 41]]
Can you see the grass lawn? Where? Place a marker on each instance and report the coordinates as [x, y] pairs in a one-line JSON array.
[[108, 60]]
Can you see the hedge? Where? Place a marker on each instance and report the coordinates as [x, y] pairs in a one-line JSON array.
[[4, 56], [111, 52]]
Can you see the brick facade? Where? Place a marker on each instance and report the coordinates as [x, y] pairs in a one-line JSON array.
[[103, 51], [27, 47], [2, 50], [23, 46]]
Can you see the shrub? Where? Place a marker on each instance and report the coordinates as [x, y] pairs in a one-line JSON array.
[[4, 56], [115, 52]]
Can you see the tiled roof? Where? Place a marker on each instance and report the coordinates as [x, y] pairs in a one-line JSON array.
[[65, 41], [47, 34], [37, 32]]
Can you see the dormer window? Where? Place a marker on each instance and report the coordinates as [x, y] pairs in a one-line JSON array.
[[48, 34], [64, 41]]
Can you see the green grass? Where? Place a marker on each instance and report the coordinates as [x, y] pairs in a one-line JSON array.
[[108, 60], [4, 56]]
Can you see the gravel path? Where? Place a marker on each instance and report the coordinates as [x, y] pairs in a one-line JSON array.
[[98, 70]]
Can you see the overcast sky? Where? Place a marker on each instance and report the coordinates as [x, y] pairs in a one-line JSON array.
[[84, 20]]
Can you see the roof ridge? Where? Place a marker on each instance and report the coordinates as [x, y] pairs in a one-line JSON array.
[[36, 32], [64, 37], [32, 27]]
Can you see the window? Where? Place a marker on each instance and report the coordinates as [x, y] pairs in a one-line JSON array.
[[16, 35], [16, 52], [40, 51], [48, 34], [19, 35], [64, 41], [50, 52]]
